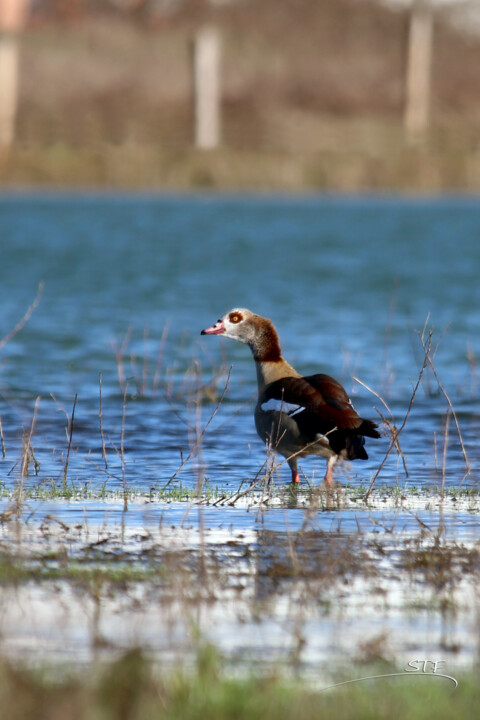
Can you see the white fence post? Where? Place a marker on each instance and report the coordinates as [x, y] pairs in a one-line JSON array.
[[419, 70], [12, 18], [206, 88], [8, 88]]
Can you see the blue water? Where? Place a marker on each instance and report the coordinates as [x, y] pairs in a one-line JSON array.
[[349, 284]]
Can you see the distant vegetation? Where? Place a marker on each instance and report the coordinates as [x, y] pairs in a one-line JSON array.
[[313, 97], [133, 689]]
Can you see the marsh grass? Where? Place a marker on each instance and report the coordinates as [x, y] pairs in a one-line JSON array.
[[254, 494], [134, 688], [291, 575], [69, 433]]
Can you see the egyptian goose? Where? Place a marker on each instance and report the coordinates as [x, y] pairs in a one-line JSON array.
[[296, 415]]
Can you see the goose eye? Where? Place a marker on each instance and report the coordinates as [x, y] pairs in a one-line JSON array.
[[235, 318]]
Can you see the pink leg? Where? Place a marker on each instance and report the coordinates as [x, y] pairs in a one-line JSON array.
[[328, 479], [295, 476], [293, 467]]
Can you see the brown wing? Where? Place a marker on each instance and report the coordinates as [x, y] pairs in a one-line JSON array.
[[319, 404], [325, 402], [337, 402]]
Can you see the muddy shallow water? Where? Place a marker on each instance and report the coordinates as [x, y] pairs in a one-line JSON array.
[[271, 588]]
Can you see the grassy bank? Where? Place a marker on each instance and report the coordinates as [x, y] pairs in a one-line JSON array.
[[132, 688], [451, 165]]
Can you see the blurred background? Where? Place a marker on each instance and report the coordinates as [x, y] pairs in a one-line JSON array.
[[344, 95]]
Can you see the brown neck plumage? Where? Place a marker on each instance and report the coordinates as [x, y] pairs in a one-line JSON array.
[[268, 357], [266, 347]]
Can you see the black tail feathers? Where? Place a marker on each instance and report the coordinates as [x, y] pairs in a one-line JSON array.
[[354, 445], [355, 442], [369, 429]]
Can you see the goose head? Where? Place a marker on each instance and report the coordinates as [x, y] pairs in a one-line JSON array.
[[254, 330]]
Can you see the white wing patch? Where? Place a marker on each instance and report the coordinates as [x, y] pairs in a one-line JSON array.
[[280, 406]]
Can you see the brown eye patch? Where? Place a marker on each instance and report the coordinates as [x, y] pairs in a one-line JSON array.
[[235, 317]]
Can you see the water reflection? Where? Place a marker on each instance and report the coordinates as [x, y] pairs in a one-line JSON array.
[[299, 595]]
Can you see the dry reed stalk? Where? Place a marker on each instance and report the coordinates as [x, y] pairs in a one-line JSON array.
[[200, 467], [104, 470], [16, 503], [390, 424], [70, 438], [145, 362], [2, 439], [194, 433], [119, 352], [267, 470], [385, 378], [60, 408], [394, 440], [158, 367], [120, 451], [199, 470], [305, 447], [24, 319], [140, 379], [270, 468], [27, 452], [259, 477], [100, 417], [445, 444], [202, 433], [429, 360], [122, 448], [472, 361], [133, 367]]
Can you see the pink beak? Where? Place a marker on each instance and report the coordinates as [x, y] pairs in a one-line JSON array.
[[216, 329]]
